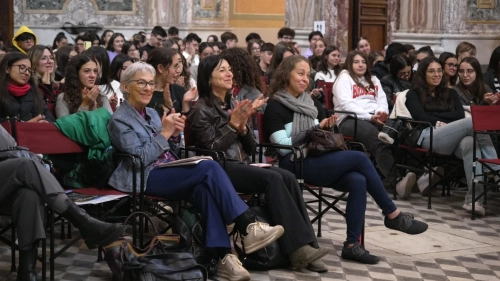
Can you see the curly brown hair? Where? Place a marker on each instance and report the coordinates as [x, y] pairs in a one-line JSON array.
[[73, 93], [244, 68], [281, 76]]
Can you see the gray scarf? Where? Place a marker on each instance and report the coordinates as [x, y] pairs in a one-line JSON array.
[[304, 110]]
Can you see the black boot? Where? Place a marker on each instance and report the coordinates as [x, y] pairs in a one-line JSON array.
[[94, 232], [27, 264]]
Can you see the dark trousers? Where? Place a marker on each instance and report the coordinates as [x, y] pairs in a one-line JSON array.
[[23, 194], [367, 134], [283, 197], [208, 188], [350, 171]]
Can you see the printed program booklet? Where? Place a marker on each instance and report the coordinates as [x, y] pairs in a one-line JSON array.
[[186, 161]]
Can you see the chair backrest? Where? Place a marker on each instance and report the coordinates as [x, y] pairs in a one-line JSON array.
[[7, 126], [327, 91], [485, 118], [263, 137], [44, 138], [188, 140], [52, 107]]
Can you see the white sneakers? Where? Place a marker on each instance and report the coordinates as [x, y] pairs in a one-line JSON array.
[[230, 268], [405, 185], [385, 138], [479, 209], [260, 235], [423, 181]]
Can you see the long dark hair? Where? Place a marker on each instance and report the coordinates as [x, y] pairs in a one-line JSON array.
[[368, 76], [73, 93], [398, 63], [7, 61], [205, 69], [116, 66], [279, 49], [477, 88], [104, 35], [62, 57], [442, 59], [101, 57], [60, 36], [109, 47], [243, 66], [163, 56], [443, 100], [494, 64], [323, 64]]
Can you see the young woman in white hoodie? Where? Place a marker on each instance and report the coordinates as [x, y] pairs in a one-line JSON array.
[[357, 91]]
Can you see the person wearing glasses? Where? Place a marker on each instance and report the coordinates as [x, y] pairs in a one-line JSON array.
[[44, 65], [130, 50], [19, 95], [450, 67], [398, 80], [23, 40], [286, 34], [431, 101], [167, 94], [156, 39], [253, 48], [82, 92]]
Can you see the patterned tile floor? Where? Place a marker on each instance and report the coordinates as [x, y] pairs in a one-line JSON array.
[[454, 248]]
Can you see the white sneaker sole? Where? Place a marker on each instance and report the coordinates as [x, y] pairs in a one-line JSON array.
[[385, 138], [228, 276], [261, 244]]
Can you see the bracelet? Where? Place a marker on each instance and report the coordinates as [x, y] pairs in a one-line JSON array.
[[176, 139], [232, 128]]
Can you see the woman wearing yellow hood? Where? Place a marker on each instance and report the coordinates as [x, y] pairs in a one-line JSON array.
[[23, 40]]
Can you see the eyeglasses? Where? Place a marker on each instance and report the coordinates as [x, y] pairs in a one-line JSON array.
[[24, 69], [290, 38], [26, 39], [462, 72], [452, 65], [45, 58], [432, 71], [176, 66], [402, 75], [142, 83]]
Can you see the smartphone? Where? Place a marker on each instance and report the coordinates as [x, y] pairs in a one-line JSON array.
[[87, 44]]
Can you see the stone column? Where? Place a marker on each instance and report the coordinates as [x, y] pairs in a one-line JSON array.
[[300, 16]]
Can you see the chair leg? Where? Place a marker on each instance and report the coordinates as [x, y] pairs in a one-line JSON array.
[[44, 259], [319, 210], [63, 236], [13, 248]]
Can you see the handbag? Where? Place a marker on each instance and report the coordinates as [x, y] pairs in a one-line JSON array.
[[412, 134], [188, 225], [320, 142], [11, 152], [122, 252], [269, 257]]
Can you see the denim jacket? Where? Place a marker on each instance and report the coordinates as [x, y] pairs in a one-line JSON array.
[[129, 132]]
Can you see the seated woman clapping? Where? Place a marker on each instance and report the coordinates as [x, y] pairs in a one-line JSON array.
[[19, 94], [289, 114], [81, 90], [220, 122], [430, 100], [137, 129]]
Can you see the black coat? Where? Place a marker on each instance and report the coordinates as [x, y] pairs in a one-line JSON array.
[[23, 108], [392, 85]]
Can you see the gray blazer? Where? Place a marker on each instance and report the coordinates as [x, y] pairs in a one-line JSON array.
[[129, 132]]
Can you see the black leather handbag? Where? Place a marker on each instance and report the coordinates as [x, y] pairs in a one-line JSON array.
[[269, 257], [18, 152], [412, 134], [320, 142]]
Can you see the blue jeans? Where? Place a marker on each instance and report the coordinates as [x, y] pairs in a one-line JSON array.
[[457, 137], [350, 171], [208, 188]]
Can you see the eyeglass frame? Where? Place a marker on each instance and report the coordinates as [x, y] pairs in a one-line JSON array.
[[151, 84], [28, 70], [45, 58], [463, 72]]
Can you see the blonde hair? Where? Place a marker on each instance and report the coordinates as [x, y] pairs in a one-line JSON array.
[[35, 54]]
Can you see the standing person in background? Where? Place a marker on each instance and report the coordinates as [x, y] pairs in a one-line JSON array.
[[450, 66], [192, 42], [23, 40], [229, 39], [362, 45], [329, 67], [173, 32], [106, 35], [266, 55], [59, 41], [286, 34], [253, 48], [156, 39], [43, 65], [115, 45], [313, 37], [212, 38], [464, 50]]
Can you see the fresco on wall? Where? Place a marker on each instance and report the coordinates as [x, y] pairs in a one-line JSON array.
[[115, 5], [476, 14], [207, 9], [45, 5]]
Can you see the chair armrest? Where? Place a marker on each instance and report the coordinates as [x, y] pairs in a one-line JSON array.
[[218, 155], [355, 135]]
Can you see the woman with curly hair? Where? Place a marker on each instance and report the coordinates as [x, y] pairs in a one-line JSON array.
[[246, 77], [82, 93]]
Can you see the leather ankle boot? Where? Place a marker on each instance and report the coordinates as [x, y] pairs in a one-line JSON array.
[[27, 264], [94, 232]]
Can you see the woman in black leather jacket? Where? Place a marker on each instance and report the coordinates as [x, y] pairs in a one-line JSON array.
[[219, 122], [398, 80]]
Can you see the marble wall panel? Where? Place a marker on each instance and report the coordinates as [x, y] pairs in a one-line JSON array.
[[301, 14], [463, 17], [393, 14], [422, 16], [336, 16]]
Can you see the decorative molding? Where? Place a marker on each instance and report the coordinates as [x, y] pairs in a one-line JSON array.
[[486, 4], [114, 7], [45, 6], [483, 12], [208, 4]]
